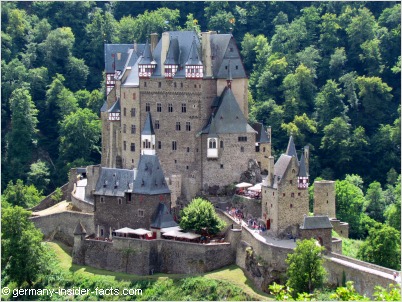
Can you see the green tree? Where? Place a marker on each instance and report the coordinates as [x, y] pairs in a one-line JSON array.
[[79, 135], [39, 176], [382, 247], [349, 206], [375, 203], [337, 62], [22, 195], [76, 74], [21, 139], [200, 216], [306, 271], [348, 293], [301, 128], [21, 257]]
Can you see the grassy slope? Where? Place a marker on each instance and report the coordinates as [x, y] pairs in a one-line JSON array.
[[232, 274]]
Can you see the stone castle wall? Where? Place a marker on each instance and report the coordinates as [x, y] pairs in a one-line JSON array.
[[61, 225], [48, 202], [342, 228], [324, 198]]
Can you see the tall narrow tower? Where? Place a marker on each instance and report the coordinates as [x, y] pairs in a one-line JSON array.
[[148, 137]]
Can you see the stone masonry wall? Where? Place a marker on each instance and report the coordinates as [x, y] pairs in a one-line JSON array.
[[61, 225], [324, 198], [48, 202]]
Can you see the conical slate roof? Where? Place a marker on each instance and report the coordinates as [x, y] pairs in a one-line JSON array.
[[79, 229], [148, 127], [163, 218], [194, 57], [147, 55], [172, 57], [212, 127], [150, 179], [115, 107], [302, 168], [291, 150]]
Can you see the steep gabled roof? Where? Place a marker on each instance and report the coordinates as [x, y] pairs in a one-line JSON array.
[[302, 167], [104, 107], [194, 56], [114, 182], [280, 168], [79, 229], [212, 128], [147, 55], [150, 179], [172, 57], [148, 127], [228, 116], [133, 79], [115, 107], [163, 218], [262, 136], [316, 222], [291, 149]]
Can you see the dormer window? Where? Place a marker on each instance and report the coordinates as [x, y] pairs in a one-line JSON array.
[[302, 183], [194, 71], [114, 116], [146, 70]]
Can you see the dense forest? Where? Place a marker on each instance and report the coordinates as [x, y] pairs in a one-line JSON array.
[[328, 73]]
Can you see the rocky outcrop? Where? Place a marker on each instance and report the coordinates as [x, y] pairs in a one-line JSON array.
[[253, 173]]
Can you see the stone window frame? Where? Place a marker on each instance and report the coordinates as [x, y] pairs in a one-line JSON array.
[[132, 147], [157, 125], [132, 112], [241, 149], [124, 145], [158, 107], [188, 126], [102, 200], [178, 126], [221, 144], [119, 201], [159, 145], [133, 129], [124, 111], [170, 107], [141, 213], [124, 128], [147, 107], [242, 138], [183, 107], [174, 145]]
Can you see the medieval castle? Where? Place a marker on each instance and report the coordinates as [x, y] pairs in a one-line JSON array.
[[174, 125]]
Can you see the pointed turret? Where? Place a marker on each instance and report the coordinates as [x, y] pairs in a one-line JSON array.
[[114, 111], [148, 137], [194, 67], [291, 150], [146, 65], [229, 78], [303, 174], [172, 58]]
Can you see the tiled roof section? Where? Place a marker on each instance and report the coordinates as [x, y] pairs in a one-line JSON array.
[[147, 55], [291, 150], [316, 222], [224, 48], [150, 178], [163, 218], [280, 168], [111, 60], [194, 56], [228, 117], [114, 182], [212, 128], [104, 107], [79, 229], [262, 136], [173, 53], [115, 107], [148, 127], [133, 78], [302, 167]]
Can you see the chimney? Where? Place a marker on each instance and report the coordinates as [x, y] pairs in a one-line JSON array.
[[135, 46], [307, 158], [207, 53], [270, 177], [165, 48], [154, 41], [135, 173]]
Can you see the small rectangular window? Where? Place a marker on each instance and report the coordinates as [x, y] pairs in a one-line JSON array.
[[124, 111], [124, 145], [188, 126], [133, 129], [183, 107], [132, 112], [170, 107], [124, 95], [242, 138], [174, 145], [175, 85], [241, 149], [132, 147], [140, 213], [181, 85], [221, 166], [159, 145], [102, 200], [178, 127], [158, 107], [292, 194], [221, 144], [145, 84], [157, 124], [119, 200], [124, 128], [134, 96], [147, 107], [188, 149], [159, 84]]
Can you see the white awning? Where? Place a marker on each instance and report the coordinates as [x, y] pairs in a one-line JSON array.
[[139, 232], [243, 185], [175, 228], [256, 188]]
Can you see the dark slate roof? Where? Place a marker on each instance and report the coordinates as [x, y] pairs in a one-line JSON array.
[[224, 48], [316, 222], [114, 182], [291, 150], [115, 107], [104, 107], [79, 229], [150, 179], [111, 61], [280, 168], [148, 127], [147, 55], [163, 218], [212, 128], [262, 136], [172, 56], [228, 116], [194, 58], [302, 167]]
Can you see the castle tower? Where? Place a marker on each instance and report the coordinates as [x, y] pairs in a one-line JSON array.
[[148, 137], [302, 177], [114, 157], [78, 249], [147, 64], [324, 198]]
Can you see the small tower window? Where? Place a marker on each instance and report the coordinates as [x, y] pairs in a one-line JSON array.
[[188, 126], [147, 107], [132, 147], [119, 200], [241, 149], [124, 128], [291, 205], [140, 213], [221, 142], [133, 129], [158, 107], [183, 107], [124, 111], [124, 145], [178, 127], [159, 145], [132, 112], [174, 145], [170, 107], [221, 166], [157, 124]]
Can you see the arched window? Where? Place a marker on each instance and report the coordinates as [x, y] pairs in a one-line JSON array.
[[212, 143]]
